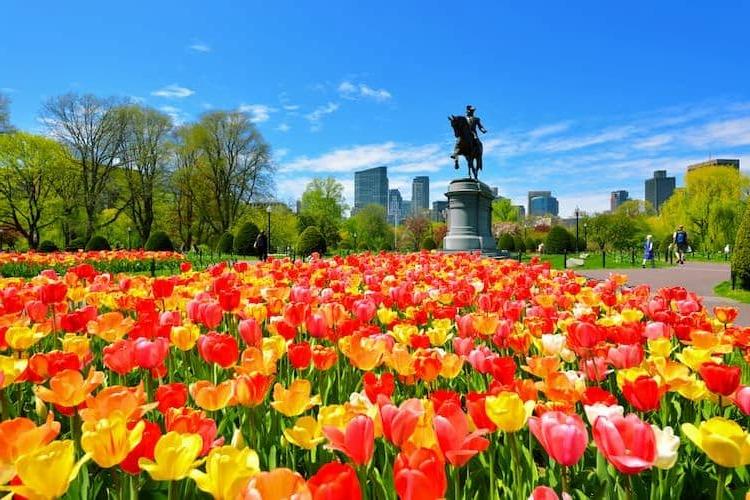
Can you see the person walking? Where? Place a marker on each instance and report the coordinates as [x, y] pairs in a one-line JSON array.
[[261, 245], [648, 252], [680, 241]]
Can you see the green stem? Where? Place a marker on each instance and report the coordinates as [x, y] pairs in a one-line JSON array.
[[75, 432], [565, 480], [516, 465], [456, 485], [172, 490], [720, 482], [493, 490], [3, 406]]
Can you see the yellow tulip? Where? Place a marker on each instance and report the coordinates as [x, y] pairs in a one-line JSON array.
[[109, 440], [451, 365], [693, 389], [722, 440], [306, 433], [400, 360], [295, 400], [660, 347], [273, 347], [184, 337], [440, 332], [386, 316], [48, 471], [631, 315], [77, 344], [694, 358], [175, 457], [403, 332], [10, 368], [333, 416], [228, 471], [20, 338], [508, 411]]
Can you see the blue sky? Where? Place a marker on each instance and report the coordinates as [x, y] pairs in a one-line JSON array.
[[581, 98]]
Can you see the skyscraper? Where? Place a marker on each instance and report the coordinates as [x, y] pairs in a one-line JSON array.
[[543, 203], [439, 210], [395, 209], [617, 198], [371, 187], [420, 195], [659, 188]]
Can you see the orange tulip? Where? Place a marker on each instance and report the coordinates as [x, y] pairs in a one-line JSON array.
[[20, 436], [69, 389], [251, 390], [130, 402], [212, 397], [726, 314], [278, 484], [295, 400], [485, 324], [111, 326]]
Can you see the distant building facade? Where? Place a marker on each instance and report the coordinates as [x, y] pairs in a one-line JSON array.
[[521, 211], [718, 162], [659, 188], [395, 207], [420, 195], [407, 211], [543, 203], [439, 210], [370, 187], [617, 198]]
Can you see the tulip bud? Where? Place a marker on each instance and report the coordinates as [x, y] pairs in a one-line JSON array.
[[238, 440], [40, 408]]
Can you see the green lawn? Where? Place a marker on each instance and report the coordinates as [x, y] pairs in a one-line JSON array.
[[594, 261], [724, 289]]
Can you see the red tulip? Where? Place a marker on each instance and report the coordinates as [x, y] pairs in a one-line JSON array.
[[452, 430], [356, 442], [419, 475], [400, 422], [120, 356], [171, 396], [250, 332], [210, 314], [625, 356], [503, 369], [185, 267], [584, 336], [251, 390], [478, 412], [720, 379], [643, 393], [229, 300], [144, 449], [628, 443], [726, 314], [594, 394], [563, 436], [150, 353], [545, 493], [218, 348], [300, 355], [375, 386], [52, 293], [188, 421], [335, 480], [324, 358], [162, 288]]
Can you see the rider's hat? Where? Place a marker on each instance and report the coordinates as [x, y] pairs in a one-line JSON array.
[[470, 108]]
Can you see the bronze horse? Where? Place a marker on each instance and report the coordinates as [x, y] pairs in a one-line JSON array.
[[468, 146]]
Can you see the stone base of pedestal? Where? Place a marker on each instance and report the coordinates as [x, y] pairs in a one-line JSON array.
[[469, 217]]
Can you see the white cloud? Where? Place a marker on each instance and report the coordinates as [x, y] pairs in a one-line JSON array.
[[290, 107], [284, 127], [178, 116], [319, 113], [734, 132], [350, 90], [552, 129], [173, 91], [653, 142], [200, 47], [258, 112]]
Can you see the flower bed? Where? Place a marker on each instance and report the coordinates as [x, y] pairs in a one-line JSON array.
[[30, 264], [413, 376]]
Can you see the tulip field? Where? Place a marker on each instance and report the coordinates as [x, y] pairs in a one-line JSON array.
[[376, 376]]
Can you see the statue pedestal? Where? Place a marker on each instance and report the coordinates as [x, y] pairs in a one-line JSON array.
[[469, 217]]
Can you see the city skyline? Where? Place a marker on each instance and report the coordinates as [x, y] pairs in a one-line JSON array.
[[333, 99]]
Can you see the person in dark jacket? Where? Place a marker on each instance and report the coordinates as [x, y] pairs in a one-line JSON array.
[[648, 251], [680, 241], [261, 245]]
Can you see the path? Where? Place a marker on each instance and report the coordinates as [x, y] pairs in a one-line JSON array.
[[699, 277]]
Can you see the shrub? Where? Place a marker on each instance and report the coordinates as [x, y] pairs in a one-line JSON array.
[[429, 243], [531, 244], [97, 243], [225, 244], [558, 240], [519, 243], [47, 246], [506, 242], [311, 240], [741, 253], [245, 239], [76, 244], [159, 241]]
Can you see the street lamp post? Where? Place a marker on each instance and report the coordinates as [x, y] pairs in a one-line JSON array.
[[577, 214], [268, 231]]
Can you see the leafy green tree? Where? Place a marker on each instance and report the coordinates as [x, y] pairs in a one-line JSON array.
[[741, 254], [428, 244], [27, 164], [245, 240], [417, 228], [225, 244], [636, 208], [504, 211], [519, 244], [159, 241], [506, 242], [97, 243], [311, 240], [323, 206], [370, 224], [558, 240]]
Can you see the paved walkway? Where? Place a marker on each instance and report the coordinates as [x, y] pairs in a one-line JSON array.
[[699, 277]]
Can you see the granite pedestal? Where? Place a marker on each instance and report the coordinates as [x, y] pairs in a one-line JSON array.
[[469, 217]]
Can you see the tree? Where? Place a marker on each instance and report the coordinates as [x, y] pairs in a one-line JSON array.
[[558, 240], [93, 132], [26, 186], [504, 211], [235, 163], [323, 206], [146, 155], [600, 229], [185, 185], [417, 229], [636, 208], [506, 242], [5, 126], [741, 254], [311, 240], [370, 225], [244, 242]]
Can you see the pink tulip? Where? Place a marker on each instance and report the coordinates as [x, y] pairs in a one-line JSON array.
[[563, 436], [628, 443]]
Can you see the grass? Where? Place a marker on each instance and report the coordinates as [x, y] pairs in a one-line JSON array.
[[724, 289], [594, 261]]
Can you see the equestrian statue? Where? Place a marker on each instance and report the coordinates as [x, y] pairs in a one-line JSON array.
[[468, 144]]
